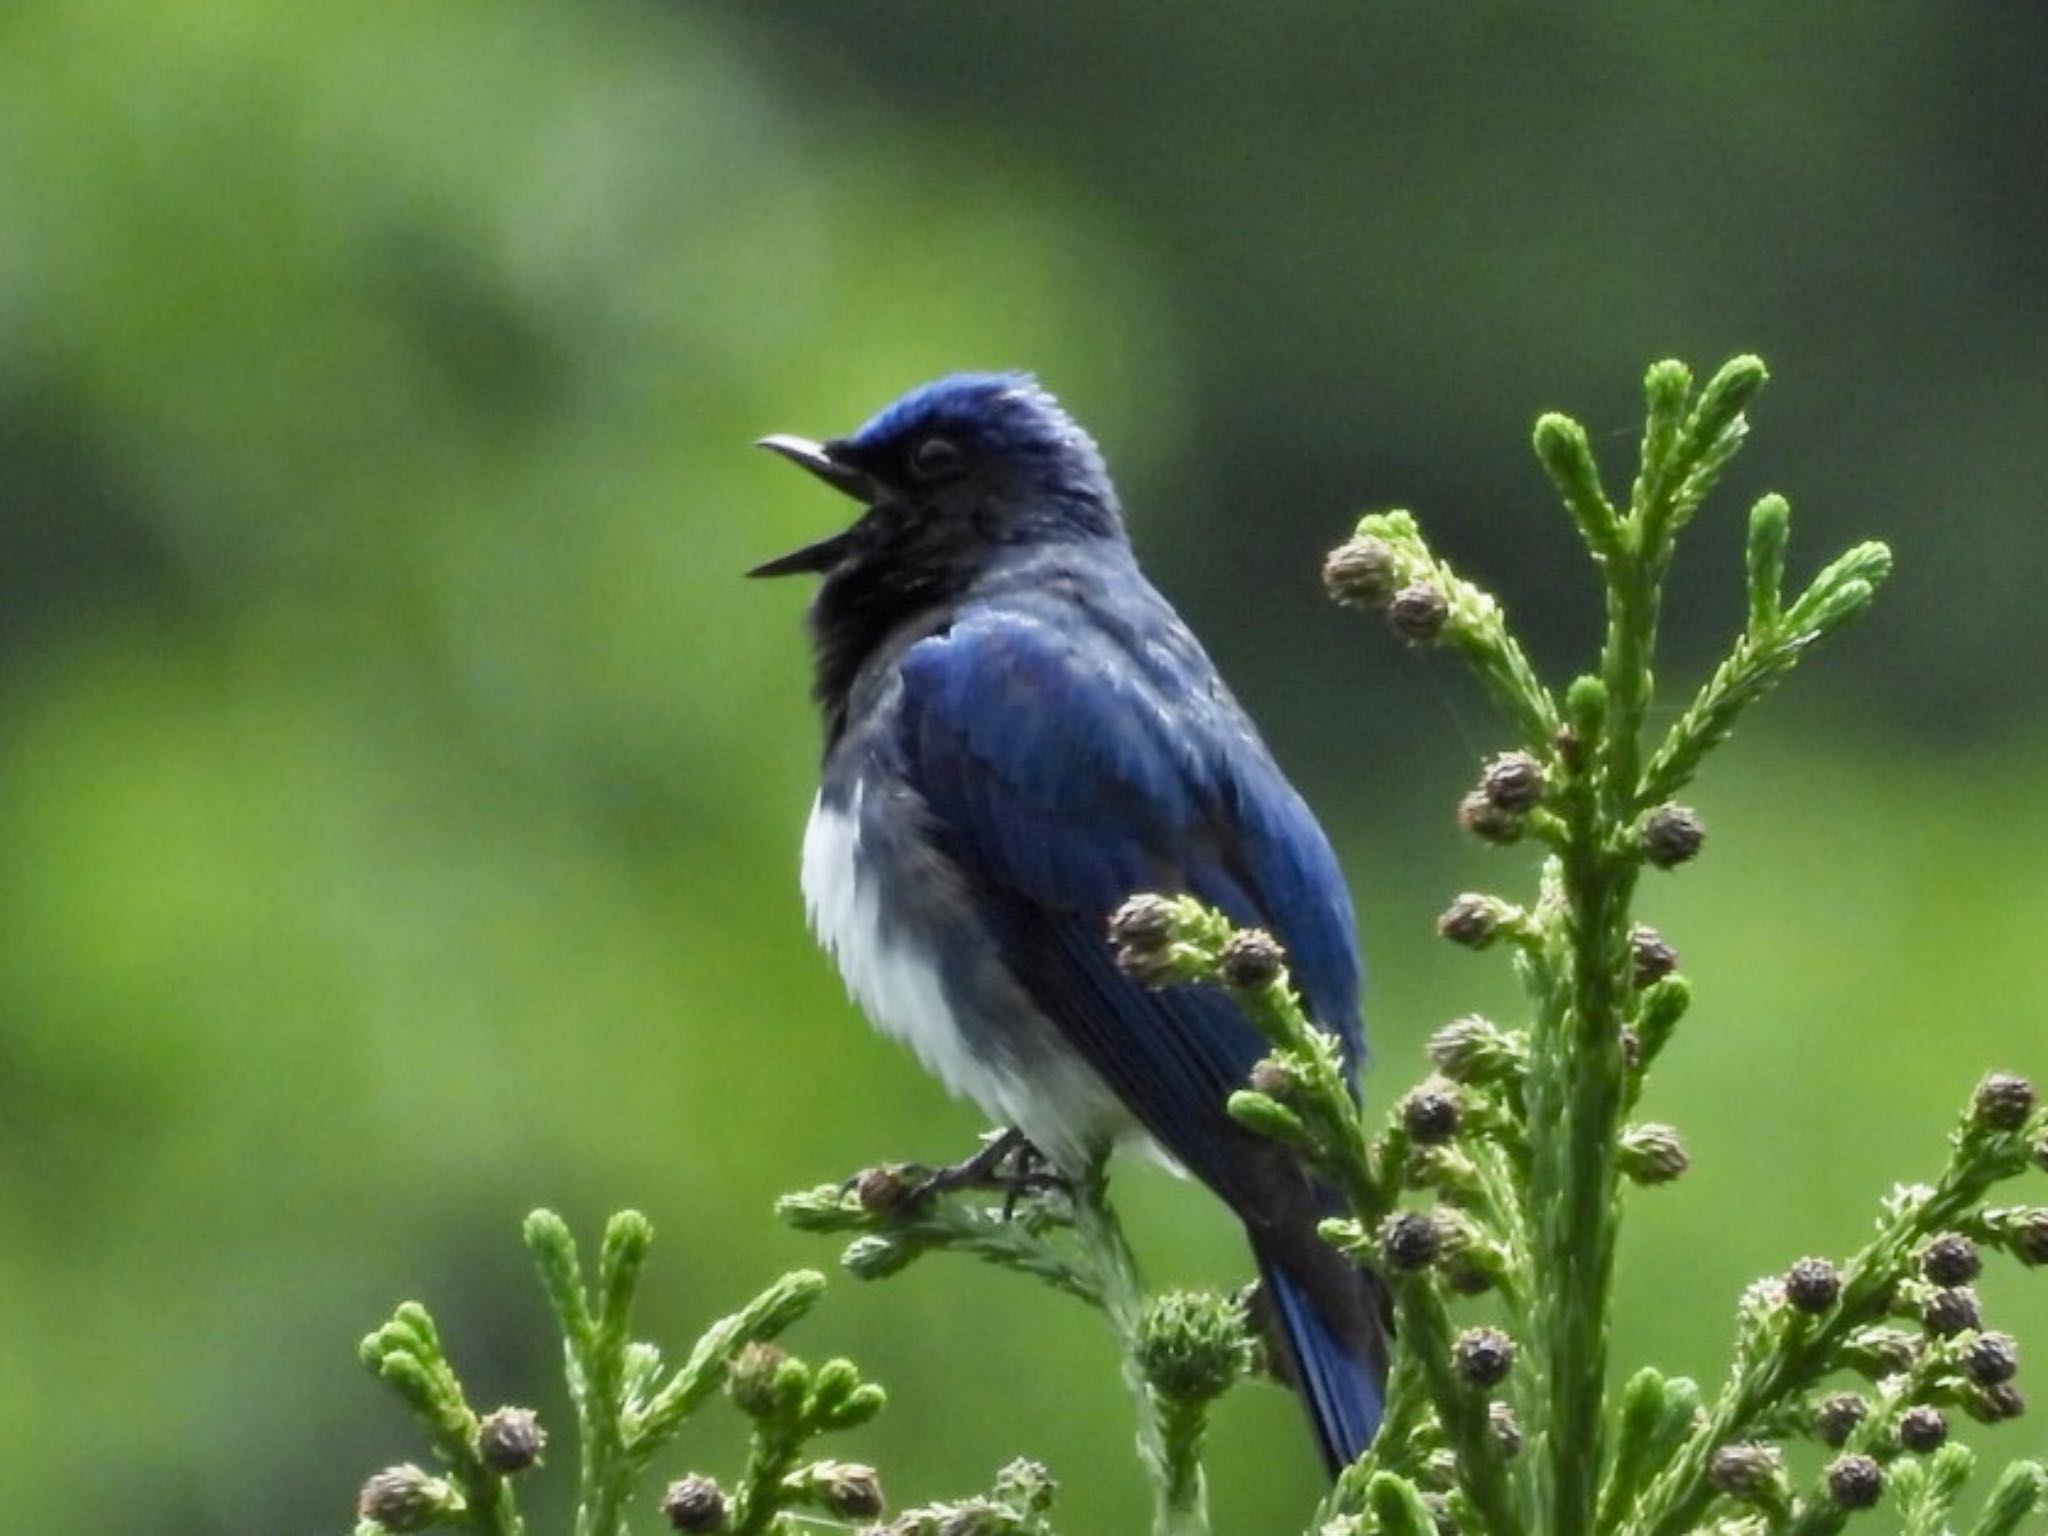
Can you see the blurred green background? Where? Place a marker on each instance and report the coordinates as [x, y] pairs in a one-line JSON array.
[[400, 790]]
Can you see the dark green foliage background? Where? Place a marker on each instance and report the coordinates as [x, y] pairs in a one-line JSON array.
[[400, 791]]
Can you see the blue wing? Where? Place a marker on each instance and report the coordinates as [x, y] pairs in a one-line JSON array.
[[1066, 765]]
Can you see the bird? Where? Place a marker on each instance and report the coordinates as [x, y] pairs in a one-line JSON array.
[[1019, 734]]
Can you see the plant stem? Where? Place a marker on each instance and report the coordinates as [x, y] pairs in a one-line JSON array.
[[1179, 1496]]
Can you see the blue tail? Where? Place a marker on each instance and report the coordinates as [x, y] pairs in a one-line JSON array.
[[1336, 1337]]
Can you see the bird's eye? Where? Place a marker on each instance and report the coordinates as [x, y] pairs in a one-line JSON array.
[[935, 458]]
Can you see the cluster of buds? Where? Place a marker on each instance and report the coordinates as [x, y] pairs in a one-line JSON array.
[[1371, 572], [1511, 785], [1017, 1506], [406, 1498]]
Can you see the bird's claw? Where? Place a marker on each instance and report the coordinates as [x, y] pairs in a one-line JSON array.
[[1006, 1161]]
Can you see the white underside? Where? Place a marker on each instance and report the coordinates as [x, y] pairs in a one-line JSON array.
[[1058, 1102]]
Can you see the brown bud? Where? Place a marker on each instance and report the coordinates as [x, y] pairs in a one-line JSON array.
[[511, 1439], [882, 1189], [403, 1498], [1653, 955], [1487, 821], [1922, 1429], [1994, 1404], [1812, 1285], [1672, 835], [1251, 959], [1472, 920], [1836, 1416], [1483, 1356], [1950, 1310], [1991, 1358], [850, 1490], [1418, 613], [2027, 1233], [1431, 1115], [1855, 1482], [2003, 1102], [1408, 1240], [1746, 1470], [1514, 781], [694, 1504], [1951, 1259], [1362, 572]]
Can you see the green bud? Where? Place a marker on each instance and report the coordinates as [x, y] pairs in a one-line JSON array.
[[1653, 1154], [1398, 1508], [1270, 1118], [1659, 1007], [1585, 709], [1193, 1345]]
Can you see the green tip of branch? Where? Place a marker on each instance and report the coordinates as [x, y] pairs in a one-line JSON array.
[[1770, 526], [1666, 384], [2017, 1495], [1397, 1506], [1567, 458]]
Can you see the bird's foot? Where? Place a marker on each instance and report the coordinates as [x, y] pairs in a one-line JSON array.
[[1006, 1161]]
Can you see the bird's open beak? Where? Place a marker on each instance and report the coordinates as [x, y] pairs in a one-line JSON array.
[[818, 459]]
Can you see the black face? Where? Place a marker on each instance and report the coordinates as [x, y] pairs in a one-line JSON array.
[[971, 460], [951, 475]]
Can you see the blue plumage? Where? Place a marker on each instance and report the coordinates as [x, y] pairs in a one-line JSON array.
[[1020, 734]]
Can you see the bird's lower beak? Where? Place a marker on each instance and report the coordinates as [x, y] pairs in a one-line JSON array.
[[818, 459]]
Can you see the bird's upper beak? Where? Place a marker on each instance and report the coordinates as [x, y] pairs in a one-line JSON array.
[[819, 460]]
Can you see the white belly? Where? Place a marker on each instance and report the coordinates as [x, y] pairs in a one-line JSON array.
[[1049, 1094]]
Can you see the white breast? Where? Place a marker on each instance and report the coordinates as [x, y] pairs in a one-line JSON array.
[[1058, 1101]]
